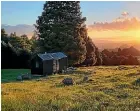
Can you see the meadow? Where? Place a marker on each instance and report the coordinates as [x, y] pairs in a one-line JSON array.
[[108, 89]]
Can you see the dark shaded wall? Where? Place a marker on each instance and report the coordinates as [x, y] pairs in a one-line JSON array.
[[48, 67], [35, 70]]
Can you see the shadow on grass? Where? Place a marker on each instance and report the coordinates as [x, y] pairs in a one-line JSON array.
[[10, 76], [13, 80]]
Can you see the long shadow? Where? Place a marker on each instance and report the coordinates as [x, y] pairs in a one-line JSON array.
[[41, 78], [16, 81]]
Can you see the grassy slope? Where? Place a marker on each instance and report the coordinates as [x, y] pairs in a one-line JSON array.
[[110, 90]]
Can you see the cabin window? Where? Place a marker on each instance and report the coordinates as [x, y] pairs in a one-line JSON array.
[[37, 64]]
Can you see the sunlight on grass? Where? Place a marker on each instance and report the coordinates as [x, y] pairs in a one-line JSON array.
[[110, 90]]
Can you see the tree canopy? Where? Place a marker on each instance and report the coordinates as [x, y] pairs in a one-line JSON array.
[[59, 29]]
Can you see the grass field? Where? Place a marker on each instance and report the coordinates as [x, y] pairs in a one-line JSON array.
[[9, 75], [110, 89]]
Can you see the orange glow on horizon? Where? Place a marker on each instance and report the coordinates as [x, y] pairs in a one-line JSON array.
[[116, 36], [113, 34]]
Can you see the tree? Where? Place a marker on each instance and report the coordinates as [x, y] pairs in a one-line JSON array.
[[24, 36], [35, 36], [34, 42], [4, 36], [3, 33], [59, 29], [13, 34], [7, 55], [99, 57], [121, 57], [90, 55], [16, 51], [21, 44]]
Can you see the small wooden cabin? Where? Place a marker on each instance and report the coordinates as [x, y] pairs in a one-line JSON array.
[[48, 63]]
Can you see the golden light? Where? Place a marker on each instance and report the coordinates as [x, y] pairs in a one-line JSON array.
[[116, 36], [137, 35]]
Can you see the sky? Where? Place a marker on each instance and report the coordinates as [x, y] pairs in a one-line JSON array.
[[109, 22], [26, 12]]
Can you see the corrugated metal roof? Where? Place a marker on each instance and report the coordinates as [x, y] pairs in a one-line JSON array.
[[50, 56], [45, 56], [58, 55]]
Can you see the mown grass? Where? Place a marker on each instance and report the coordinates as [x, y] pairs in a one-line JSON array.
[[109, 89], [9, 75]]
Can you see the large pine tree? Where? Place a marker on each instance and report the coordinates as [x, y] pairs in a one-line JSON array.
[[59, 29]]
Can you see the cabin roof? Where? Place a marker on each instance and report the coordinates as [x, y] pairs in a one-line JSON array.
[[45, 57], [50, 56], [58, 55]]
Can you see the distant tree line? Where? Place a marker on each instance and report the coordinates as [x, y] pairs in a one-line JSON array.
[[126, 56], [16, 50]]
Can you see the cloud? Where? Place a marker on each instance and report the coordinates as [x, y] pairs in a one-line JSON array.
[[125, 13], [121, 24]]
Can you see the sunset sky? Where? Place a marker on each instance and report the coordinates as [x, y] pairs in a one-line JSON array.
[[109, 23], [117, 32]]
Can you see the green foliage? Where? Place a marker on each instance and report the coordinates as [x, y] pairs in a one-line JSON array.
[[121, 57], [59, 29], [18, 43], [90, 55], [99, 57], [4, 36], [21, 43], [13, 34], [15, 50], [24, 36], [93, 56]]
